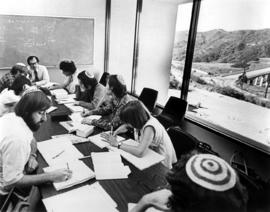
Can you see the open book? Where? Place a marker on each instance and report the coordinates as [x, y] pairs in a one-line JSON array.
[[83, 130], [80, 174]]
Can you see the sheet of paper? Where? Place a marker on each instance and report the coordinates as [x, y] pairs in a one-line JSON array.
[[86, 198], [80, 173], [73, 138], [108, 165], [98, 140], [150, 157], [58, 151]]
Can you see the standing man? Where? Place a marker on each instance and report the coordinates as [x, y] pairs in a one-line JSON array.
[[39, 73], [17, 146], [7, 80]]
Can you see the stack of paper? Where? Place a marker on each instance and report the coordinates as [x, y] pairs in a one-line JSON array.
[[150, 157], [58, 151], [108, 165], [73, 138], [86, 198], [80, 174], [98, 140]]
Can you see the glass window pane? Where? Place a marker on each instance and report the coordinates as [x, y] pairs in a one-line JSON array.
[[231, 68]]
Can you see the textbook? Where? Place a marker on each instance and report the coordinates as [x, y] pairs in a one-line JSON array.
[[82, 130], [59, 93], [80, 174], [86, 198], [150, 157]]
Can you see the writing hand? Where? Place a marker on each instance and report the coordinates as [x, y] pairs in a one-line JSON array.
[[61, 175]]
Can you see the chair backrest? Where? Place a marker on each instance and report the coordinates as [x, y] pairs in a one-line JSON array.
[[104, 78], [183, 142], [175, 107], [148, 97]]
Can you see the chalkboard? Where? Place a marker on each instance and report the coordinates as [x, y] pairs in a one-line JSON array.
[[52, 39]]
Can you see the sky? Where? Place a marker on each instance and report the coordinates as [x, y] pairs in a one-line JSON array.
[[229, 15]]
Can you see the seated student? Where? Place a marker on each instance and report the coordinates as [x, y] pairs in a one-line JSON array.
[[110, 109], [90, 92], [70, 71], [16, 145], [198, 182], [9, 97], [7, 80], [39, 74], [148, 132]]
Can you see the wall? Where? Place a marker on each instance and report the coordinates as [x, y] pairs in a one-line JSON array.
[[65, 8]]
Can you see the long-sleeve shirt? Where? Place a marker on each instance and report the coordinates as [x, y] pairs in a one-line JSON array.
[[110, 112], [91, 100]]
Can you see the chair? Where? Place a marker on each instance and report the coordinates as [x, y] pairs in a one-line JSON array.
[[173, 112], [104, 78], [148, 97], [182, 141]]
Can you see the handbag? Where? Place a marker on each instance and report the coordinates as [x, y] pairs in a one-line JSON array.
[[257, 188]]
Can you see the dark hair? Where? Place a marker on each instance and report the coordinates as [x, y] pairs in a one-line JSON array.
[[86, 81], [18, 84], [29, 103], [189, 196], [135, 113], [18, 68], [31, 58], [118, 88], [68, 66], [104, 78]]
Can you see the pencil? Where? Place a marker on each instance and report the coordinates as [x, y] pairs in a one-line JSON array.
[[57, 155]]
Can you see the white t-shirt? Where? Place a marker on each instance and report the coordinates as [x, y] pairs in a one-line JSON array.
[[161, 143], [15, 148]]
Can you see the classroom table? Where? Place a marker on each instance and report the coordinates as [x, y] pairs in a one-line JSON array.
[[122, 191]]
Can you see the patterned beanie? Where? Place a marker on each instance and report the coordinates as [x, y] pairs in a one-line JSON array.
[[210, 172]]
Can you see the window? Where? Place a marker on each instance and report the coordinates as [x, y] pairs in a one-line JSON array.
[[231, 68]]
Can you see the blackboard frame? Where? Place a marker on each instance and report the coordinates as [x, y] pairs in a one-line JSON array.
[[50, 38]]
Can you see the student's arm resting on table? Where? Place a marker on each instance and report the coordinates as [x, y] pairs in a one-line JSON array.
[[158, 199], [14, 163]]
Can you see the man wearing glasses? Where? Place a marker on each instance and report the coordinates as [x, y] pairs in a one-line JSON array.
[[39, 73]]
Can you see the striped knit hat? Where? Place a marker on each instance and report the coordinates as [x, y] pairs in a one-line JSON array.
[[211, 172]]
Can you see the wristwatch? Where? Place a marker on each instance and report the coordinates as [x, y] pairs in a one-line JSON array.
[[118, 145]]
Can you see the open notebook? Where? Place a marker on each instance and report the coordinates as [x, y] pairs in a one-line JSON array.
[[86, 198], [58, 151], [98, 140], [150, 157], [80, 174]]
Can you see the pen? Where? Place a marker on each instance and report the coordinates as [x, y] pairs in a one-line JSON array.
[[67, 166], [87, 156], [57, 155]]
